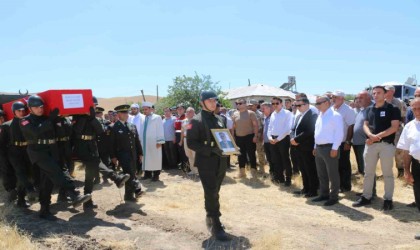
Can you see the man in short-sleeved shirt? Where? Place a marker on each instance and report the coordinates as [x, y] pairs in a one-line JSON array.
[[381, 122], [245, 125]]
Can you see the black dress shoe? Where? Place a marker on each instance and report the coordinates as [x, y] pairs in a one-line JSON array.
[[287, 183], [23, 203], [155, 178], [387, 205], [412, 204], [89, 205], [344, 190], [330, 202], [321, 198], [310, 194], [362, 201], [300, 192]]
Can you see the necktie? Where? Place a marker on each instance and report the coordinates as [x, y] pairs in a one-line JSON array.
[[296, 121]]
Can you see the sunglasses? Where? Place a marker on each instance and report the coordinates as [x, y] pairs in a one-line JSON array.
[[239, 103], [319, 103], [416, 95], [299, 105], [275, 103]]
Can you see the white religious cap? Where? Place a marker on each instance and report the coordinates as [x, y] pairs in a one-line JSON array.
[[147, 104], [338, 93], [135, 105]]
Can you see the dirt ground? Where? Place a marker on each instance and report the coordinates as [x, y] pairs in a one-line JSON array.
[[256, 213]]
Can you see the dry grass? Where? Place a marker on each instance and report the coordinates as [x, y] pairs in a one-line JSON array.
[[10, 236]]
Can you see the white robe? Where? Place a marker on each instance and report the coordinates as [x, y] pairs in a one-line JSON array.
[[137, 120], [151, 133]]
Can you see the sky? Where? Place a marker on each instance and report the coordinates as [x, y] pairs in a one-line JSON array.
[[117, 48]]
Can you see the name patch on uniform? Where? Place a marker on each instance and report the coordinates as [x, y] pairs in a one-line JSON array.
[[382, 114], [24, 122], [120, 131]]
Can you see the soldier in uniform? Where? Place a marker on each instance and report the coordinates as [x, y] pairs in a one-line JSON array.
[[104, 140], [85, 130], [126, 149], [38, 131], [6, 169], [63, 131], [209, 160], [14, 144]]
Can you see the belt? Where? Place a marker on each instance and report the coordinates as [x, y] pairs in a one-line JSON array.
[[86, 137], [212, 144], [384, 141], [66, 138], [43, 141], [324, 145], [20, 143]]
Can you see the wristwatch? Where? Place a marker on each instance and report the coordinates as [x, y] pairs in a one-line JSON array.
[[348, 142]]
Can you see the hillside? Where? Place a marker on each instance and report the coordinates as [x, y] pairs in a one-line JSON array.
[[111, 103]]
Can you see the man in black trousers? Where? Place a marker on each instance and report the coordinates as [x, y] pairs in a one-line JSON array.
[[303, 139]]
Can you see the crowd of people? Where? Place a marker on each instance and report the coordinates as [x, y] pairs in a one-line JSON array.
[[290, 137]]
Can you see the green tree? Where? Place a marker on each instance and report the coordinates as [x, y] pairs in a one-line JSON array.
[[187, 89]]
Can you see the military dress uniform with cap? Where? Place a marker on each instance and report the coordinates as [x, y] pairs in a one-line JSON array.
[[103, 140], [209, 161], [126, 149], [42, 149], [85, 130], [6, 169], [13, 142]]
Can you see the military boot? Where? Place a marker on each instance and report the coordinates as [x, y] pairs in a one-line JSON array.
[[129, 197], [32, 194], [62, 196], [88, 205], [21, 202], [45, 213], [218, 231], [241, 173], [253, 173], [120, 179], [78, 199]]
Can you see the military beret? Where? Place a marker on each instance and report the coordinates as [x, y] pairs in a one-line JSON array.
[[122, 108]]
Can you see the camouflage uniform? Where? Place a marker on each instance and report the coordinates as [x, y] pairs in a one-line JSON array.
[[399, 161], [260, 141]]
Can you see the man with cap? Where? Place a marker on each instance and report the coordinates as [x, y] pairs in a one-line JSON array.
[[38, 131], [349, 117], [152, 139], [260, 141], [13, 146], [209, 160], [389, 97], [182, 157], [126, 149], [103, 140], [85, 148], [137, 119]]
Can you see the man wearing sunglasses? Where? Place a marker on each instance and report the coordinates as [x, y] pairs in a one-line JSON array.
[[278, 134], [245, 125], [328, 136]]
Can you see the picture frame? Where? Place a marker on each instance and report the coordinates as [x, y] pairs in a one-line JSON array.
[[225, 141]]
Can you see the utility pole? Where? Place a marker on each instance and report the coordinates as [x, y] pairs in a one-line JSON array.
[[157, 93]]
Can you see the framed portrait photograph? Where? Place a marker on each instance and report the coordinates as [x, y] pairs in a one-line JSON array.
[[225, 141]]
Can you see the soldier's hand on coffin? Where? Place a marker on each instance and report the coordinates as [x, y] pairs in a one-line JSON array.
[[114, 161], [54, 114], [217, 151], [92, 113]]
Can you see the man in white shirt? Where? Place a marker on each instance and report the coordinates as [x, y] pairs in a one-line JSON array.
[[349, 116], [136, 119], [409, 143], [328, 137], [278, 134]]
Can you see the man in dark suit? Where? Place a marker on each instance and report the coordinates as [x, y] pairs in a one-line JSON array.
[[303, 138]]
